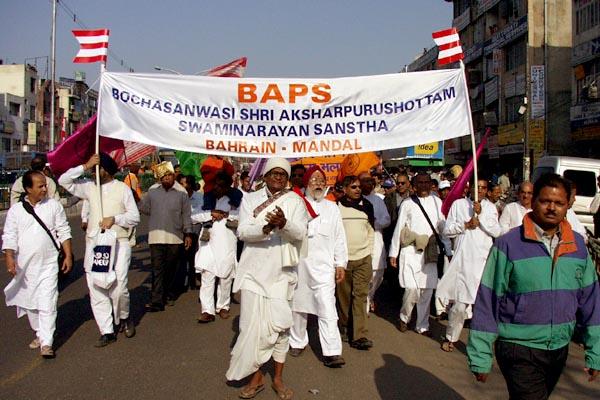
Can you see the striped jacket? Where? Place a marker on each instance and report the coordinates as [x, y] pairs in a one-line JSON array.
[[530, 298]]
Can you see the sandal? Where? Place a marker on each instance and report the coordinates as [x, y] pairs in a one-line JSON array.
[[284, 394], [250, 392], [448, 346]]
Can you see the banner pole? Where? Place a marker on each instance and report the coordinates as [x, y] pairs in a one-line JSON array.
[[102, 70], [473, 147]]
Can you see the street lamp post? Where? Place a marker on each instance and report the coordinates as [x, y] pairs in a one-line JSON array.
[[159, 68]]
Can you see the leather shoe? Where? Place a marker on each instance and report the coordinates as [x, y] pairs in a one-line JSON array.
[[206, 318], [333, 361], [362, 344], [128, 328], [224, 314], [154, 307], [295, 352], [106, 339], [402, 326]]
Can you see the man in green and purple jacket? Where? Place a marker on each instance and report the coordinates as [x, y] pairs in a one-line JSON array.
[[539, 281]]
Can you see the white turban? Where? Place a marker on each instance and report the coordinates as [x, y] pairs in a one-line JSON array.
[[278, 162]]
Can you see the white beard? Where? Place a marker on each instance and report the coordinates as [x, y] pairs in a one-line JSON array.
[[316, 197]]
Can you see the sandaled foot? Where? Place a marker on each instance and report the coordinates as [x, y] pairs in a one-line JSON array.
[[448, 346], [283, 392], [250, 392]]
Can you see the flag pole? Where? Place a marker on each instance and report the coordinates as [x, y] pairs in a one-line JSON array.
[[473, 147]]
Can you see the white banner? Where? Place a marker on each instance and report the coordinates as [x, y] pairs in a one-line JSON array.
[[264, 117]]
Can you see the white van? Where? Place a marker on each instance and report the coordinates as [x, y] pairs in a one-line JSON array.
[[582, 171]]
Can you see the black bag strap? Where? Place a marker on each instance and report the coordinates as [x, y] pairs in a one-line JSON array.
[[437, 237], [29, 208]]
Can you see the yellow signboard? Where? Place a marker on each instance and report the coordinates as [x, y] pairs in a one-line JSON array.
[[427, 149], [511, 134]]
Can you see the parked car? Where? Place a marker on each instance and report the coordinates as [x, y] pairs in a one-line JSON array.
[[582, 171]]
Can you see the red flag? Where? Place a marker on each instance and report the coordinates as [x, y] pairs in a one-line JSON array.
[[93, 45], [79, 147], [459, 186], [233, 69], [449, 49]]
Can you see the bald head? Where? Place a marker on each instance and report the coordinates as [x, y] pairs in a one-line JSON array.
[[525, 194]]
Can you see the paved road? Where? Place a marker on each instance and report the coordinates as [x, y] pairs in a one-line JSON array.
[[172, 356]]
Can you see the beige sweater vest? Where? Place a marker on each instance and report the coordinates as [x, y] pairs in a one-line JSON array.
[[112, 204]]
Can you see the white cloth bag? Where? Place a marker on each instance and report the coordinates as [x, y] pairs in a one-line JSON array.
[[103, 261]]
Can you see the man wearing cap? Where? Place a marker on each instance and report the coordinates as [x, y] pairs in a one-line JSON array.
[[318, 273], [169, 227], [382, 221], [443, 189], [117, 211], [273, 226]]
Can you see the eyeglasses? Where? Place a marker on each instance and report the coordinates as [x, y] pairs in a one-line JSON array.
[[354, 186], [277, 174], [316, 181]]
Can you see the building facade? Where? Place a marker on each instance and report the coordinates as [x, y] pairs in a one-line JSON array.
[[517, 54], [585, 61]]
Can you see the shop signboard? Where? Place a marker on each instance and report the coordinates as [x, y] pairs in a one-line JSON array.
[[585, 115], [434, 150], [511, 134], [538, 92], [491, 90], [585, 51], [512, 31]]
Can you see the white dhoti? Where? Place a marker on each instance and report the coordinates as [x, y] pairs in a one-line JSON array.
[[264, 333], [111, 304]]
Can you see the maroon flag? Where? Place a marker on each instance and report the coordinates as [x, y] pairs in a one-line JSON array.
[[79, 147], [459, 186]]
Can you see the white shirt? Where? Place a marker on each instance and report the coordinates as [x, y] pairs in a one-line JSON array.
[[463, 275], [327, 249], [413, 272], [512, 216], [86, 189], [261, 267], [36, 255], [575, 224], [382, 221]]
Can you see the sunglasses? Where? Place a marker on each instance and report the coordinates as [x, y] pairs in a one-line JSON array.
[[353, 186]]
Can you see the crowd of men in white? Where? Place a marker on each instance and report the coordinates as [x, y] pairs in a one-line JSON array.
[[303, 254]]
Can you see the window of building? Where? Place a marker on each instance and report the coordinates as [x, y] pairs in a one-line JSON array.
[[515, 54], [6, 144], [516, 9], [14, 109], [512, 105], [592, 74], [32, 85], [460, 6], [587, 15], [32, 113]]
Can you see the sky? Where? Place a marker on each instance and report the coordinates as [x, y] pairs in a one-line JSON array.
[[290, 39]]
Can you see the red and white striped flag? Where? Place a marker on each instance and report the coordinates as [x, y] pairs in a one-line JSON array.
[[233, 69], [93, 45], [448, 43]]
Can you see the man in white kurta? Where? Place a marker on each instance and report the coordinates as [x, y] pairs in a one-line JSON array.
[[216, 258], [318, 272], [120, 214], [273, 225], [17, 190], [513, 213], [418, 278], [474, 225], [31, 258], [382, 221]]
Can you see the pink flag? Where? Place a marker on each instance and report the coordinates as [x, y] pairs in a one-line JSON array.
[[79, 147], [459, 186]]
